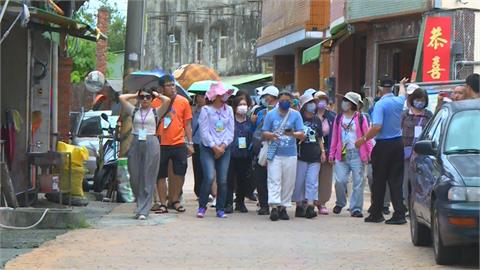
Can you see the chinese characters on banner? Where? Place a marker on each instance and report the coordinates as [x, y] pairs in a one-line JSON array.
[[436, 49]]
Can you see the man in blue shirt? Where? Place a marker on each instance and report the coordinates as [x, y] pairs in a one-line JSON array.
[[282, 127], [387, 155]]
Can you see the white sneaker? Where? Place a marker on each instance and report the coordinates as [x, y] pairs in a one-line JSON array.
[[214, 202], [142, 217]]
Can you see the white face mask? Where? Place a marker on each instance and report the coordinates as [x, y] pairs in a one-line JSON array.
[[345, 106], [242, 109]]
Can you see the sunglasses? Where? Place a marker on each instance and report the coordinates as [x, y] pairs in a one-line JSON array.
[[144, 97]]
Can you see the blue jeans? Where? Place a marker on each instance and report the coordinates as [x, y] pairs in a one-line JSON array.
[[306, 185], [353, 164], [214, 167]]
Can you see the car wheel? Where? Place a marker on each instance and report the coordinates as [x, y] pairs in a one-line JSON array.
[[443, 255], [420, 234]]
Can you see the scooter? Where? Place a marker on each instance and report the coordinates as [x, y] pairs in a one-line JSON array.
[[106, 173]]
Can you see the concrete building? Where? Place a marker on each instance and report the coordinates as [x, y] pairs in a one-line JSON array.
[[371, 39], [288, 28], [221, 34]]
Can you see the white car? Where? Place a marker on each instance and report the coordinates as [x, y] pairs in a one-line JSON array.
[[86, 132]]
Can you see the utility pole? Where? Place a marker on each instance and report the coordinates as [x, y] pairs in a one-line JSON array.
[[134, 36]]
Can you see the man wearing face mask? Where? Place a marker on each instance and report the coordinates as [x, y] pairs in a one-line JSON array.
[[388, 153], [268, 99]]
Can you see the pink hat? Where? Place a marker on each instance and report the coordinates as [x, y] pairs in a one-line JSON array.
[[217, 89]]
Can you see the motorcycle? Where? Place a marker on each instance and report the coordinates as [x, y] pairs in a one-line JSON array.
[[106, 173]]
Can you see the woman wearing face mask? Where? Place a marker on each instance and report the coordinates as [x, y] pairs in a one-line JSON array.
[[216, 131], [349, 126], [327, 117], [413, 120], [240, 160], [310, 154], [197, 166], [144, 152]]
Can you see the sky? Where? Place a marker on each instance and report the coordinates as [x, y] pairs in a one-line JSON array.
[[121, 4]]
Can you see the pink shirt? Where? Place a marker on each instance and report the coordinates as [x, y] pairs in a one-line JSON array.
[[336, 145]]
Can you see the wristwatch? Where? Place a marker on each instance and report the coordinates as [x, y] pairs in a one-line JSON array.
[[190, 143]]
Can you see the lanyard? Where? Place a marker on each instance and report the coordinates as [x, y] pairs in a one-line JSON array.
[[144, 118]]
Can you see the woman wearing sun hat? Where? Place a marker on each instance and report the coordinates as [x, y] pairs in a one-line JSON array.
[[216, 124], [349, 126], [310, 154]]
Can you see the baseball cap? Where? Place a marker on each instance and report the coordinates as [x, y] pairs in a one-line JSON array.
[[411, 88], [270, 90], [386, 83]]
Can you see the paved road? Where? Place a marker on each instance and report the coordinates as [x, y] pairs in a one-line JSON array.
[[180, 241]]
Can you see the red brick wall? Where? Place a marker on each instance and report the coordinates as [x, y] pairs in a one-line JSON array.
[[65, 65], [102, 24]]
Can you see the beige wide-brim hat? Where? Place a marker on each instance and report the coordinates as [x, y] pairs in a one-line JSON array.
[[304, 99], [355, 98], [320, 94]]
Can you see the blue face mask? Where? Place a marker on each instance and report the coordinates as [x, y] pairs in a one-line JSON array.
[[310, 107], [418, 104], [284, 105]]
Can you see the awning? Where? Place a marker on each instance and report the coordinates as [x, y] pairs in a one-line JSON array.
[[243, 79], [313, 53], [49, 21]]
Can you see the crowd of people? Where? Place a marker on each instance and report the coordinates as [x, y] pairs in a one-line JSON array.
[[289, 148]]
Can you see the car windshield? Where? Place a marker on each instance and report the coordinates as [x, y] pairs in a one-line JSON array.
[[90, 127], [462, 134]]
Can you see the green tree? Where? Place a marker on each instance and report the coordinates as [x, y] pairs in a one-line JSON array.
[[83, 52]]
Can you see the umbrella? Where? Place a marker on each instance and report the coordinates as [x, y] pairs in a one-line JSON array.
[[203, 86], [187, 74], [149, 79]]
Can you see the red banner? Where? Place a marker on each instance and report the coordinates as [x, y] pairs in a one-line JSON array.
[[436, 49]]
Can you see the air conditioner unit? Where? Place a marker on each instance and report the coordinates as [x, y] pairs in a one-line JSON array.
[[171, 38]]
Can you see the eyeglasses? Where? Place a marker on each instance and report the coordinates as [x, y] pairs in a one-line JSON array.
[[144, 97]]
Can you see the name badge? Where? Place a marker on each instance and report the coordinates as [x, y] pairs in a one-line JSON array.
[[418, 131], [242, 142], [312, 138], [142, 135], [167, 121], [219, 127]]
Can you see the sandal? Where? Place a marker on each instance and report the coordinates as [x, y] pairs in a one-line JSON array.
[[155, 207], [179, 208], [162, 209]]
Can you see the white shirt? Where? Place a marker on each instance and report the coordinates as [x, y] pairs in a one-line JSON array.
[[349, 135]]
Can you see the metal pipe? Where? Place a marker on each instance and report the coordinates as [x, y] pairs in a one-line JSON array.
[[54, 77], [464, 63], [3, 10]]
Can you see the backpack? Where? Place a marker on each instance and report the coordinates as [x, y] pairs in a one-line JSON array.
[[360, 121]]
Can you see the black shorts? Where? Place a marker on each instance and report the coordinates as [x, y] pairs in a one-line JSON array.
[[178, 155]]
